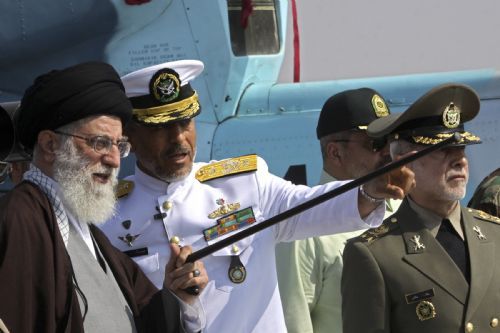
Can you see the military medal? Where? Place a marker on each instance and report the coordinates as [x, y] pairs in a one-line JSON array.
[[425, 310], [129, 239], [479, 233], [237, 272]]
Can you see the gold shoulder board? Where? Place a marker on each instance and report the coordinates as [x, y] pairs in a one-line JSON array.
[[124, 188], [227, 167], [372, 234], [484, 216]]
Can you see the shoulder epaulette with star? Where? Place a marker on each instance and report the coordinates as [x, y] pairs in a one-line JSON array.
[[373, 234], [484, 216], [124, 188], [232, 166]]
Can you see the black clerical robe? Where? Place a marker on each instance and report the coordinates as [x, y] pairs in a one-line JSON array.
[[37, 293]]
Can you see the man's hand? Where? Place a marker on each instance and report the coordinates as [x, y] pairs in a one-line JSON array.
[[180, 275], [393, 185]]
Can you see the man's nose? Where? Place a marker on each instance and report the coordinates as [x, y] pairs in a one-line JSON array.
[[112, 158], [176, 132], [459, 158]]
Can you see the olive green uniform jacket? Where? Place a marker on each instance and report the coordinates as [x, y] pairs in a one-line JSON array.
[[390, 286]]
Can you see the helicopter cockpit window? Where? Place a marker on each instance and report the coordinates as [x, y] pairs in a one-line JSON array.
[[260, 36]]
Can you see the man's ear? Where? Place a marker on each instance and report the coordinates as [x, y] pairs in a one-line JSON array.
[[333, 152], [48, 143]]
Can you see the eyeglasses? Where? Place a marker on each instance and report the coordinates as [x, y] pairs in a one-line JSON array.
[[375, 144], [102, 144]]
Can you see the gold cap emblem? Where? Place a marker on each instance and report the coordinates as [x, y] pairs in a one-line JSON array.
[[165, 85], [451, 116], [379, 106]]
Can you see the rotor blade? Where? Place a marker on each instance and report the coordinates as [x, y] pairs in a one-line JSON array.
[[319, 199]]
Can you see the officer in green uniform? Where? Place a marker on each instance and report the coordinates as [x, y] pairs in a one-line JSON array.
[[487, 195], [433, 266]]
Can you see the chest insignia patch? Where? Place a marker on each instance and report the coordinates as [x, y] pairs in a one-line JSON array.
[[224, 208], [425, 310], [229, 223], [129, 239]]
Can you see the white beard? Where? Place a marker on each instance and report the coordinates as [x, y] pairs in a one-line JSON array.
[[87, 200]]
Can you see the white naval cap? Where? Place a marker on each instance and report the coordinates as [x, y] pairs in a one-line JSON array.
[[162, 94]]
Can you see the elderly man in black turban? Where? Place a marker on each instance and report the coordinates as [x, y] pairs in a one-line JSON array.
[[58, 272]]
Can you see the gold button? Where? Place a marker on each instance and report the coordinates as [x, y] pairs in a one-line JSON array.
[[175, 240], [494, 322], [469, 327], [167, 205], [470, 210], [394, 220], [235, 249]]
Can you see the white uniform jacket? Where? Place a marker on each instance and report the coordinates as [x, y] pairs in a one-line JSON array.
[[154, 212]]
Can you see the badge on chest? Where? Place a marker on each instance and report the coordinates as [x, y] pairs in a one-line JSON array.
[[234, 221], [230, 220], [424, 309]]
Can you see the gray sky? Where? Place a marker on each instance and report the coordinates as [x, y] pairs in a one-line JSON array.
[[355, 38]]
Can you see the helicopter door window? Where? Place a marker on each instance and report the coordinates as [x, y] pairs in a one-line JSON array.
[[260, 36]]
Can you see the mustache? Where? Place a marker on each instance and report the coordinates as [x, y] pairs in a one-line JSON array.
[[177, 149], [102, 169]]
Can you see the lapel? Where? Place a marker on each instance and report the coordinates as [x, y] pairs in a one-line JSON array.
[[482, 260], [432, 261]]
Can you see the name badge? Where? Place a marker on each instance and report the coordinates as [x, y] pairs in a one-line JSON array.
[[419, 296]]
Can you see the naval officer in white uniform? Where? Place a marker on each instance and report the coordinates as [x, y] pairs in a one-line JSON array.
[[170, 198]]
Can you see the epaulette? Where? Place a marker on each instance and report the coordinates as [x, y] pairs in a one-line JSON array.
[[232, 166], [484, 216], [373, 234], [124, 188]]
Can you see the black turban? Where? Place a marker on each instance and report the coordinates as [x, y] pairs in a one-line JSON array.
[[64, 96]]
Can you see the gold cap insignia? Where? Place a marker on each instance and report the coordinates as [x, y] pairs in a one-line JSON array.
[[451, 116], [425, 310], [379, 106], [165, 85]]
